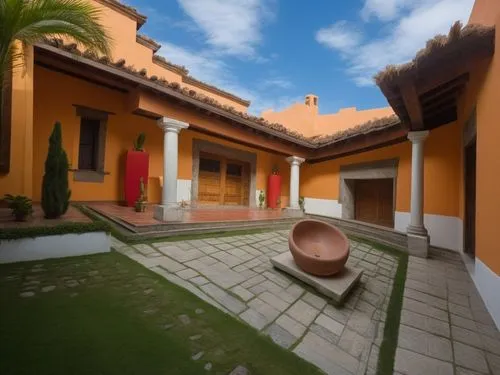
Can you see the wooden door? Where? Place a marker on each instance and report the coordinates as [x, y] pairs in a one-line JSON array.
[[374, 201], [236, 184], [223, 181], [209, 180], [470, 199]]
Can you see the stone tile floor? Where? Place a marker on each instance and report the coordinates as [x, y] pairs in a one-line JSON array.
[[445, 328], [235, 275]]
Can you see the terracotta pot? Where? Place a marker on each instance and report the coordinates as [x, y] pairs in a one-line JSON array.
[[318, 248]]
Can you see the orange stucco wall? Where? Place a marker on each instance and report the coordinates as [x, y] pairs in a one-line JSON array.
[[485, 12], [306, 120], [122, 30], [18, 180], [441, 172], [488, 165], [52, 104]]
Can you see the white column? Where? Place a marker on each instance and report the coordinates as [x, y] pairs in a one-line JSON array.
[[417, 234], [295, 163], [171, 129]]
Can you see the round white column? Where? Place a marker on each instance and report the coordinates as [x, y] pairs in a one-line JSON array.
[[295, 163], [171, 130], [417, 183]]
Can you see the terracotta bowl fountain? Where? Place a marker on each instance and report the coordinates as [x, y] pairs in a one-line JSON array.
[[318, 248]]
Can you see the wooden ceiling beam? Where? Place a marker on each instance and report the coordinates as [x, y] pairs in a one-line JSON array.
[[413, 107], [457, 84]]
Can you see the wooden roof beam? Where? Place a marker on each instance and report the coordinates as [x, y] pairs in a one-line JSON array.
[[413, 107]]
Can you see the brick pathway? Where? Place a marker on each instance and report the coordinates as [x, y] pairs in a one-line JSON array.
[[235, 275], [445, 328]]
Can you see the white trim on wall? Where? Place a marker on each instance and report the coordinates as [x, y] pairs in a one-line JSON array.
[[323, 207], [488, 284], [56, 246], [183, 190], [444, 231]]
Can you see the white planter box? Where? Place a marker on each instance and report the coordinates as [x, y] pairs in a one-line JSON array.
[[56, 246]]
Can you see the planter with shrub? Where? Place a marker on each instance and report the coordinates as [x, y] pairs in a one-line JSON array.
[[20, 205]]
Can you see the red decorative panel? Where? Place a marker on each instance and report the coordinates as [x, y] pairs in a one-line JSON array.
[[136, 166]]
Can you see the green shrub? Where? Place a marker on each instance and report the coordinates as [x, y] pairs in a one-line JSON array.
[[262, 198], [139, 142], [20, 205], [55, 192]]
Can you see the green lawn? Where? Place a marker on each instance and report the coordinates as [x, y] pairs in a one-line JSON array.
[[121, 319]]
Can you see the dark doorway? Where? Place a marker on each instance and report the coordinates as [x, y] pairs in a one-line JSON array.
[[470, 199]]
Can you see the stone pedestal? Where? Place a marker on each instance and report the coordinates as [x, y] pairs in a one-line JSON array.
[[335, 287], [169, 214], [418, 245], [293, 212]]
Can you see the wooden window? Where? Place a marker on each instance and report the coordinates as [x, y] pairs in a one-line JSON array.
[[209, 165], [234, 170], [88, 153], [92, 144]]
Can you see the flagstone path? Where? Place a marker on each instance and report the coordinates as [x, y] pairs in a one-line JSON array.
[[235, 275]]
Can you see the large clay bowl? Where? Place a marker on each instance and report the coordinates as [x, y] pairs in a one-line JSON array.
[[318, 248]]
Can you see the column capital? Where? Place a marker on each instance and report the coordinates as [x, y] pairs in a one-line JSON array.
[[417, 137], [295, 160], [171, 125]]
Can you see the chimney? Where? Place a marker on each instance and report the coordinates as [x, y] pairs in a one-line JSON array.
[[311, 101]]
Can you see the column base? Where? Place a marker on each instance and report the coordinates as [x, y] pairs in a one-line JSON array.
[[293, 212], [417, 230], [166, 213], [418, 245]]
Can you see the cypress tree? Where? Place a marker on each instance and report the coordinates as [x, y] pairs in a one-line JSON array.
[[55, 192]]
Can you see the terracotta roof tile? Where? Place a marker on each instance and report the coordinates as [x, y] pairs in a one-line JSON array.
[[314, 142]]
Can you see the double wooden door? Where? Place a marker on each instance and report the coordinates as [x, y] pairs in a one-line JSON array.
[[374, 201], [222, 181]]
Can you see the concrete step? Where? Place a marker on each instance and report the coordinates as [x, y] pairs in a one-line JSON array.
[[382, 235]]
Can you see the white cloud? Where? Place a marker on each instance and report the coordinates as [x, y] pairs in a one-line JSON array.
[[423, 21], [209, 67], [230, 26], [277, 82], [385, 10], [340, 36]]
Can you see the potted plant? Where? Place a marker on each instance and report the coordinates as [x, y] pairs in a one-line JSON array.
[[262, 199], [20, 205], [273, 187], [136, 167], [302, 203], [140, 203]]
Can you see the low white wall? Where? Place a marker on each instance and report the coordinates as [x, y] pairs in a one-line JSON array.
[[444, 231], [488, 284], [57, 246], [323, 207], [183, 190]]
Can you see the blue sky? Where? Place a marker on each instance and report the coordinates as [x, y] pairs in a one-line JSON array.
[[274, 52]]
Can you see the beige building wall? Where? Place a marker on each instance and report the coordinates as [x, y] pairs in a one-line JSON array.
[[305, 118]]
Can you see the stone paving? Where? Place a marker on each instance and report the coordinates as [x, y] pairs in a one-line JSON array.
[[445, 328], [235, 275]]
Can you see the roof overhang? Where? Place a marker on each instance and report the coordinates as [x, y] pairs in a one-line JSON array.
[[424, 93], [366, 137]]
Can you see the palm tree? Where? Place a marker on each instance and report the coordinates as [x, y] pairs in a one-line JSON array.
[[30, 21]]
